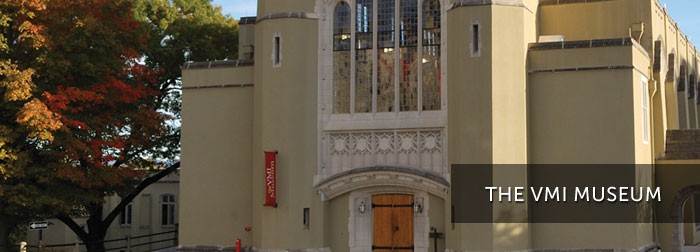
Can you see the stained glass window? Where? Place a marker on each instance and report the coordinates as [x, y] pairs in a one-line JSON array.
[[393, 59], [341, 59], [431, 55]]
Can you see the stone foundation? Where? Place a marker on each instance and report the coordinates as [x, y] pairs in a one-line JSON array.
[[245, 249], [648, 248]]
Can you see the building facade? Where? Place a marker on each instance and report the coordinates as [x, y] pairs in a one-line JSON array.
[[368, 104], [154, 211]]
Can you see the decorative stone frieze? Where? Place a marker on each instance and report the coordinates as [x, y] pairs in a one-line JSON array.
[[417, 149]]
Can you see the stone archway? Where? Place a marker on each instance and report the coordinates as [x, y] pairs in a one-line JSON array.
[[382, 176], [677, 214]]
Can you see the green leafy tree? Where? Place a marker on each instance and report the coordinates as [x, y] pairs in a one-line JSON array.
[[180, 31]]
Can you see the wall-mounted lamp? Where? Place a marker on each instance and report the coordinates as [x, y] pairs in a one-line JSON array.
[[362, 207], [417, 207]]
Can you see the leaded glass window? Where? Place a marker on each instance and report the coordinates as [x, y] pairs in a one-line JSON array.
[[386, 43], [396, 53], [408, 56], [341, 59], [363, 56], [431, 55]]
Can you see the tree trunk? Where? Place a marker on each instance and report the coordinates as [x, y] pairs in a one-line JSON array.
[[97, 223], [95, 243], [4, 238], [97, 230], [6, 228]]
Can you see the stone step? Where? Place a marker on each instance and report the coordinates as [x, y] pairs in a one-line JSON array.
[[683, 136], [682, 155], [683, 132], [683, 139], [682, 144]]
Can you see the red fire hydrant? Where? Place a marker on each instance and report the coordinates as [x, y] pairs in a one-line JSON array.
[[238, 245]]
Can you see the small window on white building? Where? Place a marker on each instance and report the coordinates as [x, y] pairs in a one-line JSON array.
[[277, 50], [126, 216], [645, 110], [167, 203]]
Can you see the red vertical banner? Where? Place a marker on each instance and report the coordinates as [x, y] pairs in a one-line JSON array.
[[271, 178]]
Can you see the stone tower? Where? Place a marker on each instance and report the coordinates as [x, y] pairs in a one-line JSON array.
[[486, 72], [285, 116]]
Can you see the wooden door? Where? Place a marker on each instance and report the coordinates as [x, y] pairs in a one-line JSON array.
[[393, 223]]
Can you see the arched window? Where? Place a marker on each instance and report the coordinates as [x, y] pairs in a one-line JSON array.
[[431, 55], [671, 74], [341, 59], [658, 52], [691, 86], [697, 91], [396, 66], [167, 203], [682, 78]]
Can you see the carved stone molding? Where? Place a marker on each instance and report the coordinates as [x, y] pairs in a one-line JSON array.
[[382, 176], [421, 149]]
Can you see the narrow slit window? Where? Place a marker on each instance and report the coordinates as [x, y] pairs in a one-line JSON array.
[[276, 54], [645, 111], [306, 218], [475, 40]]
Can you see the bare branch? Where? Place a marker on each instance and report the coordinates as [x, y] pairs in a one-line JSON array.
[[73, 226], [127, 157], [172, 89], [131, 196]]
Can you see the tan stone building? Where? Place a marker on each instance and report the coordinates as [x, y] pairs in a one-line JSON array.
[[369, 103]]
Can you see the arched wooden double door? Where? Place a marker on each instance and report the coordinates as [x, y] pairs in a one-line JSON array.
[[393, 223]]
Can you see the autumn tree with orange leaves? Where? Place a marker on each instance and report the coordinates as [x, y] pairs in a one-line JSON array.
[[90, 97], [22, 114]]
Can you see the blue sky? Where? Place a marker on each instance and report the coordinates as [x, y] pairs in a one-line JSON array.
[[684, 12], [242, 8]]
